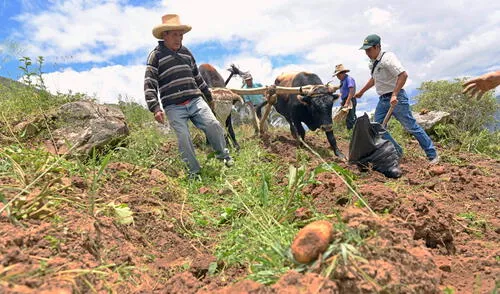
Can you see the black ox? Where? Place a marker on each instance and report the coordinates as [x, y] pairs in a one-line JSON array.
[[313, 108]]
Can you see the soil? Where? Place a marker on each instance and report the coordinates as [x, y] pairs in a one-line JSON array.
[[437, 227]]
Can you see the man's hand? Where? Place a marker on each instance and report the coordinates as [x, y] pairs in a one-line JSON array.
[[358, 95], [482, 84], [211, 104], [347, 105], [160, 116], [332, 89], [394, 100]]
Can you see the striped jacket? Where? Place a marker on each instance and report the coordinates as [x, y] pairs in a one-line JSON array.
[[175, 75]]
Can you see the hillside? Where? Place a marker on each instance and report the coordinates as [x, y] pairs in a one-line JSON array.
[[435, 228], [130, 220], [7, 85]]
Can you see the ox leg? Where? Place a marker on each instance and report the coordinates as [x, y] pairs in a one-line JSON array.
[[230, 130], [300, 129], [293, 130], [333, 144]]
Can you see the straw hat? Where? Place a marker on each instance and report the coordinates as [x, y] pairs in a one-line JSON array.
[[339, 68], [169, 22], [247, 76]]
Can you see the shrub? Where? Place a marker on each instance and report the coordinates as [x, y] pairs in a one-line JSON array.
[[468, 117], [466, 114]]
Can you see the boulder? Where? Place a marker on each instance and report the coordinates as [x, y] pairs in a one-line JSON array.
[[429, 119], [84, 125]]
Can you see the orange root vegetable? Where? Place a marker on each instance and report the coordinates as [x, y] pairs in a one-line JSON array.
[[312, 240]]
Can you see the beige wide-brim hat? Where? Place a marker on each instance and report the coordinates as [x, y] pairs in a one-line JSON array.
[[169, 22], [339, 68]]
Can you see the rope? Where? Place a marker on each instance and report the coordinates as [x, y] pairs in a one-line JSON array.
[[338, 175]]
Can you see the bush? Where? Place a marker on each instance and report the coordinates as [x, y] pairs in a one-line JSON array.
[[468, 117]]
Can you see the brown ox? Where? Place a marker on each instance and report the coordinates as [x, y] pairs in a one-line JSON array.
[[224, 98]]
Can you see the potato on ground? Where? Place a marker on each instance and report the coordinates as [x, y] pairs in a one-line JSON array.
[[312, 240]]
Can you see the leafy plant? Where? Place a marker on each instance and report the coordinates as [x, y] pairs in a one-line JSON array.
[[468, 117], [467, 114], [121, 212]]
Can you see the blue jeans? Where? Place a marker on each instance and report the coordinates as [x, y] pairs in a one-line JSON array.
[[403, 114], [198, 111]]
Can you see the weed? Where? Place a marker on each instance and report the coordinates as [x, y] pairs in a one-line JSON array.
[[54, 242], [475, 223], [96, 176]]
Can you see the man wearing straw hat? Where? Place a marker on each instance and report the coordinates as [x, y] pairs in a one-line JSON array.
[[347, 90], [248, 83], [172, 71], [388, 76]]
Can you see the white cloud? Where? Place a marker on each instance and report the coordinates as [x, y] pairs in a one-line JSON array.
[[434, 40], [89, 31], [105, 83], [379, 17]]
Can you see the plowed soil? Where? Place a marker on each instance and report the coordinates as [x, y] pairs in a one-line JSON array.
[[436, 227]]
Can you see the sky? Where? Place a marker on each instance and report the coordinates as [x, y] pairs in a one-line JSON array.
[[100, 47]]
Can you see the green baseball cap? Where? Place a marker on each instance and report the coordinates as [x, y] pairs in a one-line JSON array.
[[370, 41]]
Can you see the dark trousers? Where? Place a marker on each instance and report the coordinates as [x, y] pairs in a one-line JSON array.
[[350, 120]]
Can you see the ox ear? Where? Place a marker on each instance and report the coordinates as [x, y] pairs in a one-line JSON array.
[[305, 99]]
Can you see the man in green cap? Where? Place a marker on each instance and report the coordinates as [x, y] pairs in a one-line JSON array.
[[389, 76]]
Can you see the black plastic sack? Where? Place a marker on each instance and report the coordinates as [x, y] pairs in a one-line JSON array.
[[368, 148]]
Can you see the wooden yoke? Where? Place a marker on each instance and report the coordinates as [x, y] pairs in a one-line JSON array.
[[278, 90]]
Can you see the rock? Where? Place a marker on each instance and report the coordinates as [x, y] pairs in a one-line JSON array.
[[428, 120], [83, 126], [437, 170], [445, 268], [157, 175], [204, 190]]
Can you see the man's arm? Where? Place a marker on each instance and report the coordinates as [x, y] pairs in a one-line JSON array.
[[402, 77], [151, 87], [369, 84], [482, 84], [349, 97]]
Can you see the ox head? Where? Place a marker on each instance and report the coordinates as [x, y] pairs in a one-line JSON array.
[[319, 101]]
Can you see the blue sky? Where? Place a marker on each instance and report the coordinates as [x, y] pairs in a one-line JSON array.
[[100, 47]]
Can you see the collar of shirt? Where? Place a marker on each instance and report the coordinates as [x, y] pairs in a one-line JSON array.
[[378, 58]]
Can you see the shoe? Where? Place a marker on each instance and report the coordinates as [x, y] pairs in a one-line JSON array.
[[194, 176], [435, 160], [229, 162]]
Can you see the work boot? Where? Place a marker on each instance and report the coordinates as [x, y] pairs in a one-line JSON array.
[[194, 176], [435, 160], [229, 162]]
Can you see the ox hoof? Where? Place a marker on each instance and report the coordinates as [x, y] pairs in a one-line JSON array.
[[339, 154]]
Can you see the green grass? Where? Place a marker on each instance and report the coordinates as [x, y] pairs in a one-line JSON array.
[[246, 212], [475, 222]]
